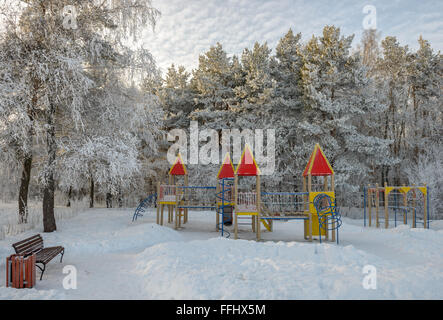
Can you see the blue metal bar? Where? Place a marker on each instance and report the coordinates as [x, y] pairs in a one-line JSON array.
[[415, 217], [144, 205], [221, 209], [328, 214]]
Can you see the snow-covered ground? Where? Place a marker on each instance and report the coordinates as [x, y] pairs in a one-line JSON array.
[[118, 259]]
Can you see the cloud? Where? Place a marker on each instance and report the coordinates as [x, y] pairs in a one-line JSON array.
[[188, 28]]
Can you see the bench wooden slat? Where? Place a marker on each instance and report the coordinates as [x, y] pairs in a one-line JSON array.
[[47, 254], [29, 248], [29, 245], [37, 236]]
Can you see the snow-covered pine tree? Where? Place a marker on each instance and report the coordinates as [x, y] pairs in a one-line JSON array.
[[424, 128], [258, 86], [392, 71], [372, 123], [429, 169], [369, 49], [336, 95], [177, 97], [213, 82], [255, 95], [286, 108]]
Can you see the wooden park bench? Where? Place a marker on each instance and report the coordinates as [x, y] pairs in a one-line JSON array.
[[43, 255]]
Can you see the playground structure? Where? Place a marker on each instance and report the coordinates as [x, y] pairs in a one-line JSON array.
[[267, 207], [315, 205], [247, 203], [323, 214], [179, 198], [396, 200], [234, 205]]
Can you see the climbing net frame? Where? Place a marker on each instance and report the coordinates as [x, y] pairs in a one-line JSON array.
[[284, 204], [387, 201], [191, 197], [197, 197]]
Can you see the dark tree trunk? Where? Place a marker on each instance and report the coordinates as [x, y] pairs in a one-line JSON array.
[[382, 174], [385, 176], [108, 200], [24, 187], [91, 194], [49, 189], [69, 197], [120, 200]]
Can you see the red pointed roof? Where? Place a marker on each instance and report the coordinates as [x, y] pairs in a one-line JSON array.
[[226, 169], [178, 168], [247, 165], [318, 164]]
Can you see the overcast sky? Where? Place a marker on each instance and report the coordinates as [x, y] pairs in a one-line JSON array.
[[188, 28]]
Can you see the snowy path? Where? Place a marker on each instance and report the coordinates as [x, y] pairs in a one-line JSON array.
[[117, 259]]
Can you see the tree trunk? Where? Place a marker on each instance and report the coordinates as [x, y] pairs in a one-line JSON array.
[[120, 200], [108, 200], [49, 189], [69, 197], [91, 194], [24, 187], [382, 181]]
